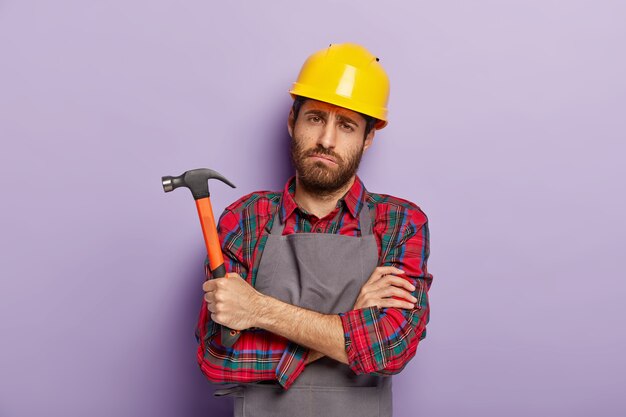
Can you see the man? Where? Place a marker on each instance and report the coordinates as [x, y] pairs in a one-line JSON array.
[[327, 282]]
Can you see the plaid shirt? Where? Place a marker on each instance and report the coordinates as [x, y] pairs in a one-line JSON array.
[[379, 341]]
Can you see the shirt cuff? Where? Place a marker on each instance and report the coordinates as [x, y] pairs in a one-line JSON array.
[[291, 364], [356, 328]]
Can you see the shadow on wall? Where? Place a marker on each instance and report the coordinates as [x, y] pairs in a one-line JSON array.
[[275, 168], [195, 392]]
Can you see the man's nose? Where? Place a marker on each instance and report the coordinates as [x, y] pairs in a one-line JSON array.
[[328, 135]]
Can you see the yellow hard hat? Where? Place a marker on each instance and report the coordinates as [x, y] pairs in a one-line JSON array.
[[346, 75]]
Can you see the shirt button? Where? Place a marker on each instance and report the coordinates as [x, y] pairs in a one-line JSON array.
[[319, 229]]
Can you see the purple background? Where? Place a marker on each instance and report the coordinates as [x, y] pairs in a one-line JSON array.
[[507, 126]]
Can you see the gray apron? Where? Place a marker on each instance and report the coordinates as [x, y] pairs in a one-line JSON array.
[[322, 272]]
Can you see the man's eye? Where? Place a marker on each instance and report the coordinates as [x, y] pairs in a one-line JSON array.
[[347, 127], [315, 119]]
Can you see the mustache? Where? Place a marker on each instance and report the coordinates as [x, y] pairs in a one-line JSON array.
[[321, 151]]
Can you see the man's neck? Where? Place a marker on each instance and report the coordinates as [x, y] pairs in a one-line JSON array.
[[316, 204]]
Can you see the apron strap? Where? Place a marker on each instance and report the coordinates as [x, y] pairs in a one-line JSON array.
[[277, 226], [365, 219]]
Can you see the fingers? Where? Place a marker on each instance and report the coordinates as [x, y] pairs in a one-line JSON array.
[[389, 281], [395, 281], [393, 303], [211, 284], [398, 292], [210, 302], [385, 290], [208, 286], [381, 271]]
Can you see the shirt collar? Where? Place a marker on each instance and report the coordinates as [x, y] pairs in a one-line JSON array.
[[353, 199]]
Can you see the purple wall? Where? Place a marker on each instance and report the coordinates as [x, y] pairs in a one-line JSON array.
[[507, 126]]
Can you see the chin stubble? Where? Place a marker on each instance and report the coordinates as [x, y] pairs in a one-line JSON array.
[[318, 178]]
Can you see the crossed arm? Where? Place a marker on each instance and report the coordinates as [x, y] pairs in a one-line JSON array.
[[236, 304]]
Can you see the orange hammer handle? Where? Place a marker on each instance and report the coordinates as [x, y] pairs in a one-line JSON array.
[[209, 230], [216, 259]]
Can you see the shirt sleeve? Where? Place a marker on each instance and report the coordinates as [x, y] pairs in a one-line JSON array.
[[258, 354], [382, 341]]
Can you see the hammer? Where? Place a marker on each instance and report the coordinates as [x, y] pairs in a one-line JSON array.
[[197, 182]]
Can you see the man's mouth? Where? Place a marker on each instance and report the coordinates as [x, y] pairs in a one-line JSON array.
[[324, 158]]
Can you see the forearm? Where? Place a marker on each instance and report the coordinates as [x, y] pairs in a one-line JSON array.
[[321, 332], [313, 356]]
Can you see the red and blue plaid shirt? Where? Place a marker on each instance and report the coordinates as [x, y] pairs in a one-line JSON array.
[[379, 341]]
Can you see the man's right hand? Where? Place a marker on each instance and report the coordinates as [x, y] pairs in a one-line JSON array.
[[381, 288]]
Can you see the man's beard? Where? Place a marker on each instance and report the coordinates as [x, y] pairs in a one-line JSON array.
[[318, 177]]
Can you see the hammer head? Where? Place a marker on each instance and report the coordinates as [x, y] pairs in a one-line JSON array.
[[196, 180]]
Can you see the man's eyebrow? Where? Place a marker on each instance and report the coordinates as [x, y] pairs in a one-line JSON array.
[[324, 114], [346, 119], [316, 112]]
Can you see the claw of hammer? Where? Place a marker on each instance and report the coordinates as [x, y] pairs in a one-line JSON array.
[[196, 180]]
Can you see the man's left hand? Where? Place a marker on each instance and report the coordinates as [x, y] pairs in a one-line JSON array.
[[232, 301]]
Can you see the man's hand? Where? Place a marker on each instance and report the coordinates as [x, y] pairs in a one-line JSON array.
[[232, 301], [377, 291], [382, 286]]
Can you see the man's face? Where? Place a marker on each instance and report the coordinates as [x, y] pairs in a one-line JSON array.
[[327, 143]]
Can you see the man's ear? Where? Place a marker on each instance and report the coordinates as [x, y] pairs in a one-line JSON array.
[[369, 139], [290, 122]]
